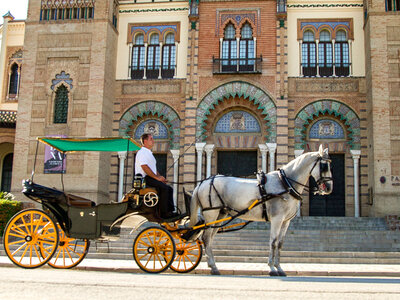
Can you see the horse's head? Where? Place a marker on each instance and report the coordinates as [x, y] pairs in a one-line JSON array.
[[322, 173]]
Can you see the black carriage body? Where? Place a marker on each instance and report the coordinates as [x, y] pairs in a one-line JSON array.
[[78, 217]]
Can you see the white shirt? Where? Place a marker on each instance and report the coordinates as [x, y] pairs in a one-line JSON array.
[[145, 157]]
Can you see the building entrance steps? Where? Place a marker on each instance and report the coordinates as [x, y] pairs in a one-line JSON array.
[[309, 240]]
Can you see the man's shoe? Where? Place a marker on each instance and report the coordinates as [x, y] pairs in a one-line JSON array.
[[171, 215]]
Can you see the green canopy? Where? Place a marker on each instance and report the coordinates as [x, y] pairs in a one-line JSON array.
[[91, 144]]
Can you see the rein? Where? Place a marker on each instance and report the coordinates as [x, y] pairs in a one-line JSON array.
[[287, 182]]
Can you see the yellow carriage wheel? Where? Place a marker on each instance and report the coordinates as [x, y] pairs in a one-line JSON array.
[[154, 249], [30, 238], [188, 256], [70, 252]]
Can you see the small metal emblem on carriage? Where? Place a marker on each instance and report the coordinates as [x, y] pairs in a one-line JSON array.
[[82, 213]]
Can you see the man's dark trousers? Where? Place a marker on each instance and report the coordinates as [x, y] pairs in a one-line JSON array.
[[165, 193]]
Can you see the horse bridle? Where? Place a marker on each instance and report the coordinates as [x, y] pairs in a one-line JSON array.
[[323, 167]]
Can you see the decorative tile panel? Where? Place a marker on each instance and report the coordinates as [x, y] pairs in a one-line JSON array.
[[237, 122]]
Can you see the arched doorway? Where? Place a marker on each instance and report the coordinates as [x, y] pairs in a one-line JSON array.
[[336, 126], [6, 173]]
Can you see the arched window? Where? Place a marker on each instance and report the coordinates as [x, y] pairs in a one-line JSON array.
[[14, 81], [246, 49], [309, 54], [325, 55], [61, 105], [229, 49], [342, 62], [168, 62], [153, 57], [138, 55], [6, 173]]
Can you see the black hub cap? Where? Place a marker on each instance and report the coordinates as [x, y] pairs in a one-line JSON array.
[[28, 238], [150, 249]]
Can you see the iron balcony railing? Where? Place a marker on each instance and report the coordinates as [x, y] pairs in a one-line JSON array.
[[325, 70], [237, 65], [153, 72]]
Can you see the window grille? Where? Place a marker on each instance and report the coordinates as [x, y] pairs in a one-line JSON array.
[[61, 105]]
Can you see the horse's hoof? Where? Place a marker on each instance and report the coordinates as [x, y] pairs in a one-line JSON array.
[[281, 273], [215, 272], [273, 273]]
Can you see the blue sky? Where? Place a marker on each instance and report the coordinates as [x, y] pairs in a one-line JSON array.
[[18, 9]]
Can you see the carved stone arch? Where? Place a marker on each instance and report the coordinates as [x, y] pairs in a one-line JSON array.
[[62, 78], [343, 28], [248, 21], [226, 23], [151, 32], [264, 103], [308, 28], [158, 109], [327, 28], [165, 33], [136, 33], [332, 108]]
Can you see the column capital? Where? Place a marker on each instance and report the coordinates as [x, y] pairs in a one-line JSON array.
[[297, 153], [122, 154], [209, 148], [200, 147], [271, 147], [263, 148], [175, 153], [355, 154]]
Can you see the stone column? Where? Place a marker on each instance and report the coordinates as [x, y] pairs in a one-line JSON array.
[[272, 149], [297, 153], [122, 157], [199, 149], [264, 151], [175, 156], [209, 150], [356, 157]]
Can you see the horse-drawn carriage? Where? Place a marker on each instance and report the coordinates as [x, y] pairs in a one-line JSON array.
[[60, 233]]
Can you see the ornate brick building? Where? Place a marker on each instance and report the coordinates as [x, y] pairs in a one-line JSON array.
[[225, 87]]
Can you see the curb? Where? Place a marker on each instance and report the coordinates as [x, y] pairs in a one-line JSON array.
[[231, 272]]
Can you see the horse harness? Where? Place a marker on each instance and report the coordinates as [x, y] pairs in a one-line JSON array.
[[262, 181]]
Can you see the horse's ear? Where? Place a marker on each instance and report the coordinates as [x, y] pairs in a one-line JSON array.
[[321, 150], [326, 152]]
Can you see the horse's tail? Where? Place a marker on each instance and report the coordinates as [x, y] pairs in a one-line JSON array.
[[194, 207]]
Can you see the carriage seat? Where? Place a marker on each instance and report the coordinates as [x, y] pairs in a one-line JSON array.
[[144, 191], [78, 201]]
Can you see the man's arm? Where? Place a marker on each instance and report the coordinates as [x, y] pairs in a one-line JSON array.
[[150, 173]]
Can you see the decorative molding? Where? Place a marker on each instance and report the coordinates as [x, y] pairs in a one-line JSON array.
[[62, 77], [237, 89], [148, 28], [154, 108], [324, 5], [321, 109], [127, 11]]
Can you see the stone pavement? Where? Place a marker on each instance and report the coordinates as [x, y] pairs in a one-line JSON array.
[[255, 269]]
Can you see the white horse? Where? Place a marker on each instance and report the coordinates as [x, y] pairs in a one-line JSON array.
[[220, 196]]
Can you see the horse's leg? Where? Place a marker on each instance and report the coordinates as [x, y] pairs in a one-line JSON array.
[[208, 238], [281, 236], [276, 224]]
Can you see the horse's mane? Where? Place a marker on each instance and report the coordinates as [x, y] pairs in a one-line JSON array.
[[295, 162]]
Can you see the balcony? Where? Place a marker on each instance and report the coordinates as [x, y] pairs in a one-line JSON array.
[[155, 72], [330, 70], [237, 65]]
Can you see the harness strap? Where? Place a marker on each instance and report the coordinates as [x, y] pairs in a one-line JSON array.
[[288, 185]]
